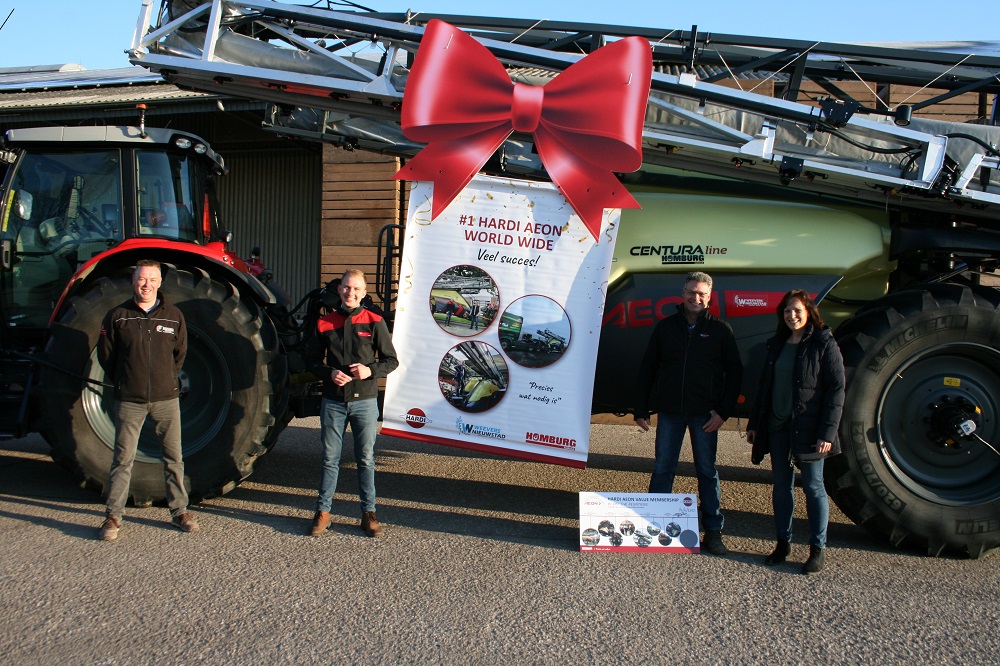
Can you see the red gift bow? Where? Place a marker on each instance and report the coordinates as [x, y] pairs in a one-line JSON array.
[[587, 122]]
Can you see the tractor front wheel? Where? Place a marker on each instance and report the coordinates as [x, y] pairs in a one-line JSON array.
[[921, 424], [232, 380]]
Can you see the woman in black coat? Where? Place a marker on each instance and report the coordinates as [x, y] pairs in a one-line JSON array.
[[795, 420]]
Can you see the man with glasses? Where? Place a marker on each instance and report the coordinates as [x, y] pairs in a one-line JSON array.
[[690, 375]]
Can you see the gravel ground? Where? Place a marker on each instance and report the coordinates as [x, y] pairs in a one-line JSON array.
[[479, 564]]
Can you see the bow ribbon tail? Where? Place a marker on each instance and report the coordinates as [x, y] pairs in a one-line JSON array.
[[589, 189], [451, 164]]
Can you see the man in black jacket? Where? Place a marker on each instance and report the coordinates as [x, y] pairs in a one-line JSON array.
[[474, 316], [351, 351], [691, 375], [142, 348]]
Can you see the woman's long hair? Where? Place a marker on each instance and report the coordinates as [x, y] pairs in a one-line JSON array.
[[813, 317]]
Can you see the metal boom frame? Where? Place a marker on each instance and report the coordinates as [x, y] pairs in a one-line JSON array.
[[345, 73]]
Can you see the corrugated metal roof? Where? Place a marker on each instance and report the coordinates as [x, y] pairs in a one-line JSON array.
[[53, 77], [105, 96], [66, 86]]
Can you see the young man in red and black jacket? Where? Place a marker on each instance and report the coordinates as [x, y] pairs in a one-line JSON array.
[[142, 348], [352, 350]]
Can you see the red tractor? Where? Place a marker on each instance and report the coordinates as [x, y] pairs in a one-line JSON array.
[[80, 206]]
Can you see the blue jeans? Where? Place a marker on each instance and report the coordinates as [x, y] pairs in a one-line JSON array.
[[783, 496], [670, 430], [334, 417]]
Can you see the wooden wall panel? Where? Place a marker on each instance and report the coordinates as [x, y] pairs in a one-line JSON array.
[[358, 198]]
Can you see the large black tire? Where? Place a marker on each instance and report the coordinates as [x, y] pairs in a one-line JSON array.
[[914, 359], [233, 382]]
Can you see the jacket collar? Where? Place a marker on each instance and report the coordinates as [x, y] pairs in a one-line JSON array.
[[160, 302], [777, 342], [682, 316], [349, 313]]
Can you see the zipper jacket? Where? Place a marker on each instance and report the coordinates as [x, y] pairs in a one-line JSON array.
[[817, 394], [344, 337], [690, 371], [142, 352]]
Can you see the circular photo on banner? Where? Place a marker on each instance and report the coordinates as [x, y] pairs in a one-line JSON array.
[[534, 331], [689, 538], [473, 377], [590, 537], [464, 300]]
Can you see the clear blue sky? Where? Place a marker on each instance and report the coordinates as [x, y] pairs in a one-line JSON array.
[[96, 34]]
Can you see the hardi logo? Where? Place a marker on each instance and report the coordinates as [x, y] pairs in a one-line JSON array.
[[415, 418], [549, 440], [164, 329], [688, 501]]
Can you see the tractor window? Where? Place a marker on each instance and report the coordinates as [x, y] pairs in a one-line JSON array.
[[174, 197], [61, 209]]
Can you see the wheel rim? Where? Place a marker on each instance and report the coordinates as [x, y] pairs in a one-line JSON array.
[[206, 391], [96, 406], [966, 471], [204, 395]]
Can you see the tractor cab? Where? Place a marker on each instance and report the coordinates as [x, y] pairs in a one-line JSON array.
[[70, 194]]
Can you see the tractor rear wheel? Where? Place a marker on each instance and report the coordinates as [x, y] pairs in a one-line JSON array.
[[921, 424], [232, 383]]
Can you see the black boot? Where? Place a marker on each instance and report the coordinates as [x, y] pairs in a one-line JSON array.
[[816, 561], [712, 543], [780, 553]]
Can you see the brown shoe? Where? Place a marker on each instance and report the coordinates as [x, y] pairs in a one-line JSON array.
[[185, 522], [369, 523], [321, 521], [109, 529]]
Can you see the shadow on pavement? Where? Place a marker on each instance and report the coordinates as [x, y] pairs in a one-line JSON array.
[[437, 504]]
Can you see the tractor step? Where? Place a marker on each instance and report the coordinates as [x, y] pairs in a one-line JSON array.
[[16, 378]]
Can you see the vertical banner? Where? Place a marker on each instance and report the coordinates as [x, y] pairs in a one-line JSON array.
[[498, 320]]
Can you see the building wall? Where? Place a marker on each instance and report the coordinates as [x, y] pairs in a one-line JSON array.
[[359, 198], [270, 199]]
